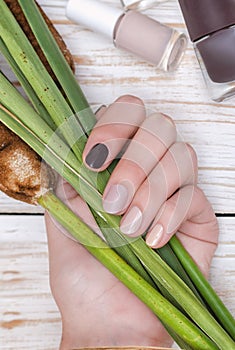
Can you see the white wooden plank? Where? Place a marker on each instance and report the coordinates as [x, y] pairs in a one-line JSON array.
[[222, 274], [28, 315], [9, 205]]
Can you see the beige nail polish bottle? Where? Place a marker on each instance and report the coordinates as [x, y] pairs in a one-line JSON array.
[[135, 32]]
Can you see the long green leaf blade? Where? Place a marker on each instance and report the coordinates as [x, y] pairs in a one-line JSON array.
[[56, 59], [26, 86]]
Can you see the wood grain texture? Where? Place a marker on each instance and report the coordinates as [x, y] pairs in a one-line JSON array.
[[28, 315], [105, 73], [8, 205]]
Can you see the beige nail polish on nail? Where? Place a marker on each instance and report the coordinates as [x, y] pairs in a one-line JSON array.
[[116, 199], [132, 221], [154, 236]]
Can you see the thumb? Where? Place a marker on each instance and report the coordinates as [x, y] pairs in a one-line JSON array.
[[64, 251]]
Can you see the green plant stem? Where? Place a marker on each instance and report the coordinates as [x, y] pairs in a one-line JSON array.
[[57, 60], [99, 249], [168, 255], [184, 296], [26, 86], [204, 287]]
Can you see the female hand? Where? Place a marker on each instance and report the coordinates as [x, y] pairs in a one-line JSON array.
[[154, 188]]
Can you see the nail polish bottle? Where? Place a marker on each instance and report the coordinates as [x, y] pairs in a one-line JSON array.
[[139, 4], [152, 41], [211, 26]]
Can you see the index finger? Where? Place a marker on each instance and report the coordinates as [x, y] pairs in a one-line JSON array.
[[118, 123]]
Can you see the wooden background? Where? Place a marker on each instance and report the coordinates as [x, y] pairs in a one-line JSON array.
[[28, 315]]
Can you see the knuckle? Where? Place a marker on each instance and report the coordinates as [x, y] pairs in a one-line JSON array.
[[169, 119], [192, 153], [186, 150], [198, 192], [184, 153], [170, 126], [163, 127]]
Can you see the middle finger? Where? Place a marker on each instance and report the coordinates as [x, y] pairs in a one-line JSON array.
[[156, 134]]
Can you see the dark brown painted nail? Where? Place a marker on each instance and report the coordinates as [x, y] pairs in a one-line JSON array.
[[97, 156]]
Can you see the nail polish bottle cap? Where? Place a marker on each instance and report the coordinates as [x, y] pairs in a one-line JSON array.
[[204, 17], [139, 4], [94, 14]]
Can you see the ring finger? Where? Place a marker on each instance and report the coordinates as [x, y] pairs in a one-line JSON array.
[[176, 169]]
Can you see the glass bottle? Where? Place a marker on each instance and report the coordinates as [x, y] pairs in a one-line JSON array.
[[132, 31], [211, 26]]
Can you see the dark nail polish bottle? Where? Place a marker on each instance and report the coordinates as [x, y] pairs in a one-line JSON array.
[[211, 26]]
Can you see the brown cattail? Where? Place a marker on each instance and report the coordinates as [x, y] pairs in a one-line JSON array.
[[22, 174], [20, 17]]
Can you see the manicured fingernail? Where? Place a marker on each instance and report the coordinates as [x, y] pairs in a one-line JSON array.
[[97, 156], [132, 221], [116, 199], [154, 236]]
